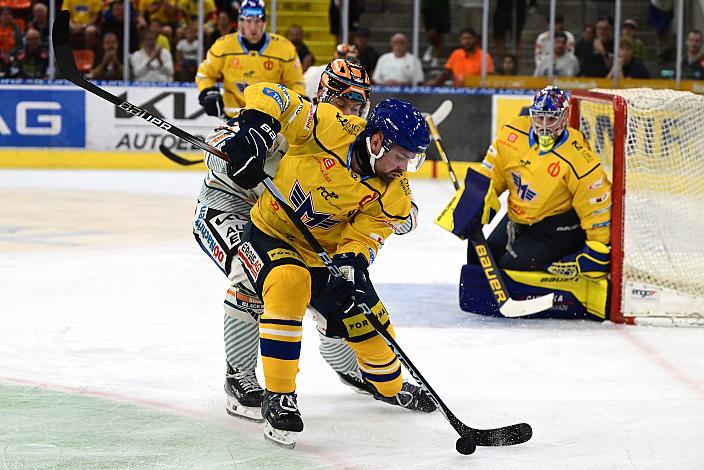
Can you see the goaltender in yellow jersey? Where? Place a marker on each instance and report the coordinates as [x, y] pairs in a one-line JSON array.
[[246, 57]]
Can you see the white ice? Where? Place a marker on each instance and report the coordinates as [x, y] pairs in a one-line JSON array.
[[99, 308]]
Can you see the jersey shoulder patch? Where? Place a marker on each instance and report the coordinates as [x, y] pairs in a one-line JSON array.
[[577, 153]]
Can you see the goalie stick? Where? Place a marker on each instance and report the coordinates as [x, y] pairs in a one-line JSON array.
[[438, 117], [508, 307], [469, 437]]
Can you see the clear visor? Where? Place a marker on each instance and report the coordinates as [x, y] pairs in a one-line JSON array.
[[416, 162]]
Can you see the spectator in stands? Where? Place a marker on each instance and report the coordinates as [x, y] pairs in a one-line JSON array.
[[20, 11], [565, 64], [187, 54], [355, 9], [32, 60], [113, 22], [509, 65], [598, 61], [627, 65], [585, 43], [225, 24], [542, 42], [368, 56], [464, 61], [693, 62], [188, 13], [398, 67], [10, 34], [629, 28], [660, 14], [151, 63], [163, 34], [503, 24], [107, 64], [295, 35], [40, 22], [85, 19], [436, 19], [230, 7], [163, 11]]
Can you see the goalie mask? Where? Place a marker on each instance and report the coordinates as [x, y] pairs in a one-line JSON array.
[[346, 79], [548, 115]]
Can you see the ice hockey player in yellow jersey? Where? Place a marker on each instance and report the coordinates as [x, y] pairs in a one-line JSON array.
[[559, 210], [243, 58], [345, 179]]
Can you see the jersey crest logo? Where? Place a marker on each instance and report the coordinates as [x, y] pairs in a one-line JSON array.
[[524, 192], [303, 204], [268, 64], [512, 137], [329, 163]]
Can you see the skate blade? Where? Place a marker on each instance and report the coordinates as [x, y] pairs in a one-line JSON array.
[[250, 413], [285, 439]]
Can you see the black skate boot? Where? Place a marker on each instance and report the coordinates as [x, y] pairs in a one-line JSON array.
[[411, 397], [356, 383], [244, 395], [282, 420]]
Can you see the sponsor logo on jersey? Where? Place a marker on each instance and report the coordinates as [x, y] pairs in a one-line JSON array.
[[515, 209], [601, 211], [309, 118], [367, 199], [597, 184], [405, 186], [348, 126], [487, 266], [524, 163], [372, 255], [251, 260], [279, 253], [488, 165], [275, 206], [512, 137], [229, 227], [207, 240], [522, 189], [275, 96], [303, 205], [328, 163], [235, 62], [599, 199], [588, 156], [377, 238], [567, 228], [602, 224], [554, 169]]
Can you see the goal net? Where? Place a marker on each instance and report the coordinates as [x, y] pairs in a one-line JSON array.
[[650, 143]]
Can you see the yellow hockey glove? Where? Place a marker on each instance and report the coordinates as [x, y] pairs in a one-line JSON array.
[[591, 262]]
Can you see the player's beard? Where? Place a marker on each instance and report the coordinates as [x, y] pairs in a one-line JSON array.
[[389, 176]]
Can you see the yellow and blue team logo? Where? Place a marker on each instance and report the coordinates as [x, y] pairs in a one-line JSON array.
[[522, 189]]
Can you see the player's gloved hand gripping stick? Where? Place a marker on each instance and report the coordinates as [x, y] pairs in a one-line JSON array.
[[507, 306], [469, 437]]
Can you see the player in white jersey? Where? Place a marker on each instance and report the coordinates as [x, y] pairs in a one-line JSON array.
[[222, 211]]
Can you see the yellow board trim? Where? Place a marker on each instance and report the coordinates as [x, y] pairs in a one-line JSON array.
[[19, 158]]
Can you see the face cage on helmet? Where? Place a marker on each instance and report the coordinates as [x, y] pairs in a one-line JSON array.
[[354, 92], [542, 128]]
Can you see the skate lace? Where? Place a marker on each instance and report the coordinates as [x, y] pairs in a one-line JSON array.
[[247, 379], [288, 403]]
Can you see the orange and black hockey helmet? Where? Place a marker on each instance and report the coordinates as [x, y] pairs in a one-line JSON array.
[[347, 79], [347, 51]]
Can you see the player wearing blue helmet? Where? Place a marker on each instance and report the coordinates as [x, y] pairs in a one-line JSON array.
[[345, 178], [559, 207]]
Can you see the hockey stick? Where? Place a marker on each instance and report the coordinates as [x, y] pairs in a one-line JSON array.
[[508, 307], [438, 117], [469, 437], [446, 106]]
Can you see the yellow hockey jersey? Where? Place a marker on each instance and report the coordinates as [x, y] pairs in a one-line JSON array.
[[345, 212], [229, 61], [541, 185]]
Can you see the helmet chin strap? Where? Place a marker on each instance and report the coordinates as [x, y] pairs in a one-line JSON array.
[[373, 156]]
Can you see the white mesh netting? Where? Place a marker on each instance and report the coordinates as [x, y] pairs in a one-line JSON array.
[[664, 199]]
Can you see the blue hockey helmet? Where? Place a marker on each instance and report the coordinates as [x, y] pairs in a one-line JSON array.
[[253, 9], [401, 124], [548, 114]]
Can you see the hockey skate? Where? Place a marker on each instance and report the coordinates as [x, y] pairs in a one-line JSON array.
[[411, 397], [244, 395], [356, 383], [282, 420]]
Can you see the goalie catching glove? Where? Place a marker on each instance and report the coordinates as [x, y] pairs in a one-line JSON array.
[[471, 207], [247, 147], [591, 262]]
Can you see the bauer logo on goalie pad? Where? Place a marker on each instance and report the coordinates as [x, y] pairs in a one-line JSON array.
[[250, 259], [494, 283]]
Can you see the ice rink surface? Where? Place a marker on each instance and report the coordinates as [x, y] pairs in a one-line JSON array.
[[111, 352]]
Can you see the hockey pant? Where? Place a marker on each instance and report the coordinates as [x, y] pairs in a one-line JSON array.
[[286, 286], [218, 234]]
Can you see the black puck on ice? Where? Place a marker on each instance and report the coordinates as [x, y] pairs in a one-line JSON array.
[[465, 446]]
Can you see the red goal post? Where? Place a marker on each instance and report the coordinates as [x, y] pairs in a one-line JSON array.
[[649, 144]]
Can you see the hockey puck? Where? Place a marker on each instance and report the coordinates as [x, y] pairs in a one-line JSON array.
[[465, 446]]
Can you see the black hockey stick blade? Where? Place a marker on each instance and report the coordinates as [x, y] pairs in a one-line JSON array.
[[503, 436], [165, 151]]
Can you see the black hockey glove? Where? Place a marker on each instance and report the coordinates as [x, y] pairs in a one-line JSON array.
[[351, 286], [211, 101], [248, 149]]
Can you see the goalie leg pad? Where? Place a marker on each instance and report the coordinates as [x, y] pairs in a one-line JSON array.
[[574, 299]]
